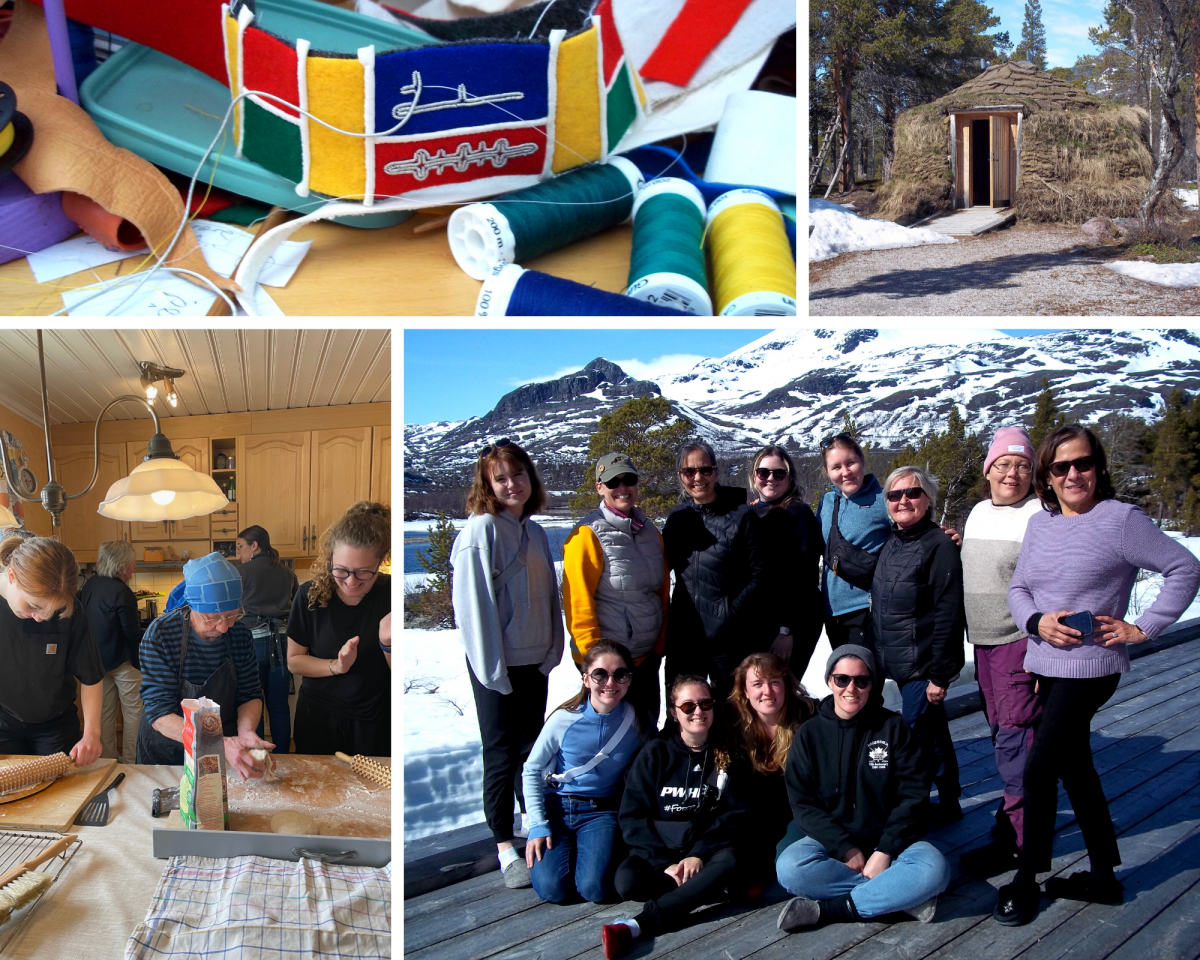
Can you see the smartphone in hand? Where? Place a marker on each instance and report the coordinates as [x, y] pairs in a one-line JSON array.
[[1079, 621]]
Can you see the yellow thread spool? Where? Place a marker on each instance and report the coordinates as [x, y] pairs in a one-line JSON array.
[[753, 272], [6, 139]]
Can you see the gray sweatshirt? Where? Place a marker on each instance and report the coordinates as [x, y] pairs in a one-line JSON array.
[[991, 544], [521, 623]]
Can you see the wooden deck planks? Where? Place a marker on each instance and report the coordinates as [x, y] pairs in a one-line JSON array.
[[1147, 746]]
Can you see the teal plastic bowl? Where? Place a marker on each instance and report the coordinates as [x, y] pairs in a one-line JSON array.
[[167, 112]]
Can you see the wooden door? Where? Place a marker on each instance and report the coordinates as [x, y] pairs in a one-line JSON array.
[[341, 475], [998, 159], [381, 465], [1012, 160], [272, 488], [193, 452], [83, 529]]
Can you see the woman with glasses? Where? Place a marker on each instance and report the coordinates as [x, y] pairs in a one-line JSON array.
[[45, 646], [507, 609], [679, 819], [339, 639], [268, 586], [857, 782], [1070, 592], [573, 780], [918, 618], [792, 544], [766, 708], [615, 580], [713, 547], [202, 649], [855, 502]]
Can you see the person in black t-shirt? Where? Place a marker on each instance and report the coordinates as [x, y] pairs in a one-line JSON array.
[[339, 639], [45, 645]]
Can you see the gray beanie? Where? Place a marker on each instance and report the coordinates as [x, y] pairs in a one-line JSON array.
[[850, 650]]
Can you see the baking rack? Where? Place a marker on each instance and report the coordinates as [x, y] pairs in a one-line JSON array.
[[18, 846]]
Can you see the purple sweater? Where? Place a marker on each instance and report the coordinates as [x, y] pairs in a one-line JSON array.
[[1090, 562]]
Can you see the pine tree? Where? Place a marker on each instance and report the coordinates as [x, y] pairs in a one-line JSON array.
[[1174, 455], [1033, 36], [1045, 415], [437, 562], [955, 458], [648, 432]]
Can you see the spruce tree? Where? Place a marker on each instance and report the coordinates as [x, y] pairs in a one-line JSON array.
[[955, 458], [1045, 415], [1033, 36], [437, 564]]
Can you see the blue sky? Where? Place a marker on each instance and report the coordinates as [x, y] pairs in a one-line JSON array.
[[1066, 23], [455, 374]]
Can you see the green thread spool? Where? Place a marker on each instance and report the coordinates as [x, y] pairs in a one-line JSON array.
[[520, 226], [666, 264]]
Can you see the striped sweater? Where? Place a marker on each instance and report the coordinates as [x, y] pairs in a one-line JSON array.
[[1089, 562], [991, 544]]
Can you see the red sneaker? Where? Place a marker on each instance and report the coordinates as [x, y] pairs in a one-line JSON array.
[[617, 939]]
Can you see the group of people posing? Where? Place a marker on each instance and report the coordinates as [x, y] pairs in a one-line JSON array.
[[751, 779], [234, 634]]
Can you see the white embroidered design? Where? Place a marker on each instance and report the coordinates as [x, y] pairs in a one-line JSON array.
[[403, 111], [877, 755], [422, 161]]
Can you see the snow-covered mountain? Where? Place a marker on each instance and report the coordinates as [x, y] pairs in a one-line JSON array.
[[793, 386]]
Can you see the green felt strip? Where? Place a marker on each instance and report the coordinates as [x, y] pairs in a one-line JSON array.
[[273, 142]]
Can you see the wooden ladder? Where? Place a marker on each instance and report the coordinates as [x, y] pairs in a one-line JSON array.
[[815, 171]]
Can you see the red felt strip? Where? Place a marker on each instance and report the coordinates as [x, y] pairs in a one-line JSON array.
[[270, 66], [691, 37], [610, 39], [188, 30]]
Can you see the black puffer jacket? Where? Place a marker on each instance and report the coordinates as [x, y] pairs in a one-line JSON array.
[[112, 613], [917, 605], [792, 546], [720, 575]]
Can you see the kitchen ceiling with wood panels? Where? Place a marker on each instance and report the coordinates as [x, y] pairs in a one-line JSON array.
[[228, 371]]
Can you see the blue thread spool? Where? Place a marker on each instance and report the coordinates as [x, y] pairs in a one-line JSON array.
[[521, 226], [513, 291], [666, 264]]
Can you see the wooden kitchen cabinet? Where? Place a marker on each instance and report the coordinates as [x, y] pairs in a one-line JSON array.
[[341, 476], [273, 488], [83, 529], [224, 523], [193, 452], [381, 465]]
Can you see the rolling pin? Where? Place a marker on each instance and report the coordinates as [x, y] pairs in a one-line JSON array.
[[34, 771], [366, 767]]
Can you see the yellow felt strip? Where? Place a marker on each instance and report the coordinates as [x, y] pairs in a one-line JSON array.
[[231, 64], [577, 108], [6, 139], [335, 95]]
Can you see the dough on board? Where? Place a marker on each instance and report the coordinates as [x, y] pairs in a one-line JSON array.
[[293, 821], [264, 756]]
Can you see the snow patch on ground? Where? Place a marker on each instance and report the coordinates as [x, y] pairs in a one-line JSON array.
[[838, 230], [1162, 274], [1186, 197]]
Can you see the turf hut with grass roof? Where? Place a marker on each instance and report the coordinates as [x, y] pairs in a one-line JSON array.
[[1018, 137]]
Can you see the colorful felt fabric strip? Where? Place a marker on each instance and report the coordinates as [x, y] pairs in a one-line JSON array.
[[691, 37], [577, 112]]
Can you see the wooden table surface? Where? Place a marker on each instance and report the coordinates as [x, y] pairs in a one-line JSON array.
[[355, 272]]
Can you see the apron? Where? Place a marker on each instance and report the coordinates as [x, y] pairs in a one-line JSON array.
[[221, 686]]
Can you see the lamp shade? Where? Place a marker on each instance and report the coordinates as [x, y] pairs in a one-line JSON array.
[[162, 489]]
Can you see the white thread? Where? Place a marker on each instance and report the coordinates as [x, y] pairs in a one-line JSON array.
[[366, 56], [302, 48], [538, 23]]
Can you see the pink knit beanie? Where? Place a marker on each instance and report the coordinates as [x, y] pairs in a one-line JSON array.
[[1009, 441]]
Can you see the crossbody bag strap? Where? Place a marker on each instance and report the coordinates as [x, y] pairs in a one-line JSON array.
[[518, 562], [606, 751]]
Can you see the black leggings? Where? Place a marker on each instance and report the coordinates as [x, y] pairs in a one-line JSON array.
[[508, 725], [852, 627], [1062, 751], [667, 905]]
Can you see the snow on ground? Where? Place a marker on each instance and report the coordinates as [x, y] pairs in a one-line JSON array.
[[1187, 197], [1162, 274], [838, 230], [443, 764]]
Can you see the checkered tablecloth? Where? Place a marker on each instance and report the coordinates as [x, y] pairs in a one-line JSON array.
[[251, 908]]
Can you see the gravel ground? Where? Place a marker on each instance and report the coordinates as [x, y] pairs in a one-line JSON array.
[[1017, 271]]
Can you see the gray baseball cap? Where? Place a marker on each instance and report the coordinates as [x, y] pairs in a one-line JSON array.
[[613, 465]]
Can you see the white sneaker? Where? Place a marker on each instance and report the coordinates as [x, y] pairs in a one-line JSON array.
[[924, 911]]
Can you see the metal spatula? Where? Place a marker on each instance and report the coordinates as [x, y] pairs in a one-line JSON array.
[[95, 814]]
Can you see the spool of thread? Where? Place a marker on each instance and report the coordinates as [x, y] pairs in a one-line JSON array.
[[513, 291], [520, 226], [16, 132], [754, 274], [666, 264], [34, 771]]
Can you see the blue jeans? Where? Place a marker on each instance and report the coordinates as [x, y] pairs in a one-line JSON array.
[[275, 680], [805, 869], [581, 860]]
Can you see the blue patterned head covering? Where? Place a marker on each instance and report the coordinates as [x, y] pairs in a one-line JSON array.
[[212, 584]]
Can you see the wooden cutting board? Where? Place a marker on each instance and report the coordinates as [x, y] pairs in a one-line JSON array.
[[57, 806]]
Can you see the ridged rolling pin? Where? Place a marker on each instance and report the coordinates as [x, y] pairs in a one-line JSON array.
[[34, 771], [366, 767]]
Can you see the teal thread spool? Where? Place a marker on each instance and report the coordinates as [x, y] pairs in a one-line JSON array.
[[520, 226], [666, 265]]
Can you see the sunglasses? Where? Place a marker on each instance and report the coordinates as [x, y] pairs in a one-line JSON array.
[[502, 442], [910, 493], [1060, 468], [843, 680], [690, 472], [621, 675], [625, 478], [764, 474], [688, 707], [830, 441]]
